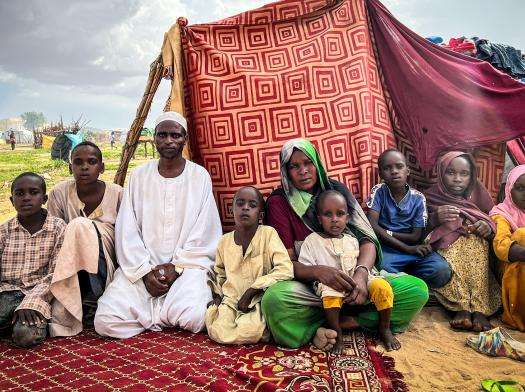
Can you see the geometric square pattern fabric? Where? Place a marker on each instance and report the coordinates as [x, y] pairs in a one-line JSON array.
[[287, 70]]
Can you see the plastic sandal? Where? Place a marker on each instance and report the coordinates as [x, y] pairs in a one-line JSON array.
[[497, 343], [501, 386]]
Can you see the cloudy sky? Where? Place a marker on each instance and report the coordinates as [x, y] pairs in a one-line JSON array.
[[73, 57]]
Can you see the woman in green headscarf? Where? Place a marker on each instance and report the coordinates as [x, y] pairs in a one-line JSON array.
[[293, 312]]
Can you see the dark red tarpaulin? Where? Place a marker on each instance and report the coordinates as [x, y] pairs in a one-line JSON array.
[[444, 100]]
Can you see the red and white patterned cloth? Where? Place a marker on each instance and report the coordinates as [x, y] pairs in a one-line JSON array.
[[287, 70]]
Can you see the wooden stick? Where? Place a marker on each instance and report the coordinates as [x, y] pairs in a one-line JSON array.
[[155, 76]]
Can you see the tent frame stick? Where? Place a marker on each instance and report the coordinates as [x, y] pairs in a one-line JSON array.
[[158, 70], [132, 139]]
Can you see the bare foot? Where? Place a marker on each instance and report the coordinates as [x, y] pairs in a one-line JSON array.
[[348, 322], [480, 322], [324, 339], [389, 340], [462, 320], [338, 346]]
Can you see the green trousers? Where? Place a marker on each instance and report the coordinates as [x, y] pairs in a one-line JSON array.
[[294, 313]]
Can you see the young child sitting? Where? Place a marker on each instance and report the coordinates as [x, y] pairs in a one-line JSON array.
[[335, 248], [86, 262], [398, 216], [509, 246], [29, 244], [249, 259]]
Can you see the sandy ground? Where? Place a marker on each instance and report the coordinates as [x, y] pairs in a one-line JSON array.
[[435, 358]]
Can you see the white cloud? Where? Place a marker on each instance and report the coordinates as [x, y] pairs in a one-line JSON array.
[[93, 57]]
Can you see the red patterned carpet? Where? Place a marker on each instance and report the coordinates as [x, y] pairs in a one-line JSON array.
[[180, 361]]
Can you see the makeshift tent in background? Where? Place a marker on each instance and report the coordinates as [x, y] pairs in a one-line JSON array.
[[47, 141], [344, 74], [22, 136], [63, 144]]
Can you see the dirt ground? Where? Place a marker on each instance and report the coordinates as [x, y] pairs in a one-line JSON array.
[[434, 358]]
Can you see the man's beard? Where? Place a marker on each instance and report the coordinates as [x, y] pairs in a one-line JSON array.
[[170, 154]]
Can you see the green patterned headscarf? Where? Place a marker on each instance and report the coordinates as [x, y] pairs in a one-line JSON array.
[[303, 203], [300, 200]]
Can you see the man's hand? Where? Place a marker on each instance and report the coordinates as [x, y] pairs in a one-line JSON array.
[[154, 285], [481, 229], [359, 293], [447, 214], [334, 278], [420, 250], [166, 273], [28, 317], [244, 303]]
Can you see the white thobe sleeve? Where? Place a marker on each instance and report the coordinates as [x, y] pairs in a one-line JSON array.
[[201, 244], [132, 255]]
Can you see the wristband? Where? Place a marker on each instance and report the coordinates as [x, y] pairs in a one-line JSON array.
[[390, 233]]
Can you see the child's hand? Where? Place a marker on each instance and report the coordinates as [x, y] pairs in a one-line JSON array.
[[420, 250], [244, 303], [358, 295], [28, 317], [481, 229], [215, 301]]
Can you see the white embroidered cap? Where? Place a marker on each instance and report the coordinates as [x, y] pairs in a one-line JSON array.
[[172, 116]]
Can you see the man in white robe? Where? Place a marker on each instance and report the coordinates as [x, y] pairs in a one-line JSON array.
[[166, 237]]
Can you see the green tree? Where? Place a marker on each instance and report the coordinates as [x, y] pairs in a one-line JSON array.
[[33, 120]]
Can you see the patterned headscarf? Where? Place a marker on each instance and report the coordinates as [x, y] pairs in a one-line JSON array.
[[303, 203], [510, 211], [473, 206], [300, 200]]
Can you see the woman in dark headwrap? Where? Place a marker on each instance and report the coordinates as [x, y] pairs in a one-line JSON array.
[[459, 205], [293, 312]]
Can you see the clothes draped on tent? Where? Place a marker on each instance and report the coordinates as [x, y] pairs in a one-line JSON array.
[[462, 45], [503, 57]]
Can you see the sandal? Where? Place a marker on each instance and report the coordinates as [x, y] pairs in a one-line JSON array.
[[497, 343], [502, 386]]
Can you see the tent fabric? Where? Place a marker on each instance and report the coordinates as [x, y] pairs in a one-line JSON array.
[[47, 141], [75, 138], [444, 100], [287, 70], [22, 136], [516, 149], [311, 69]]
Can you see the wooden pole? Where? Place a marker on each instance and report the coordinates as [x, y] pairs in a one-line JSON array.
[[168, 65], [128, 150]]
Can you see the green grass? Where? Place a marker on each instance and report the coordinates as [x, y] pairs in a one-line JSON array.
[[25, 158]]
